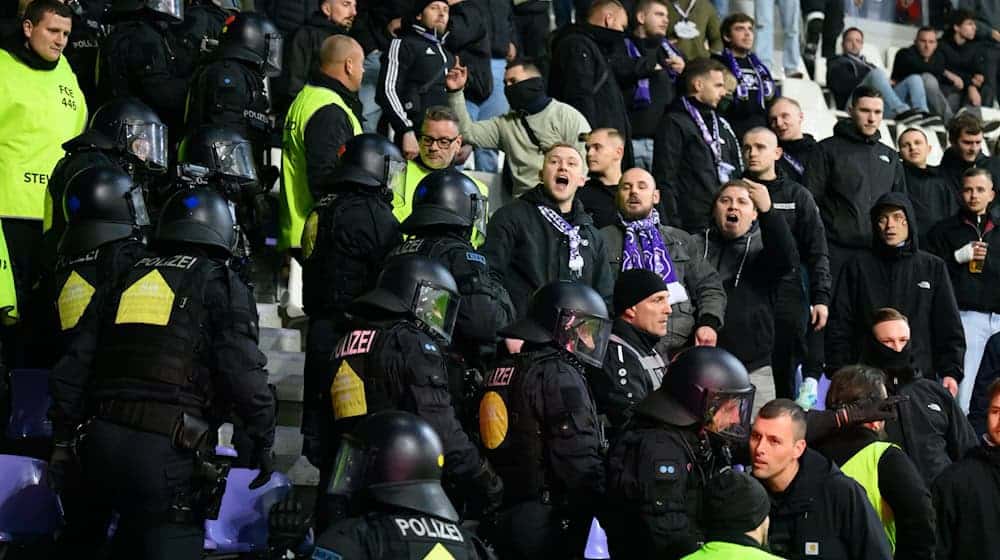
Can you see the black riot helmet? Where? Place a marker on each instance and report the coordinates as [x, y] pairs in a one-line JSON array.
[[705, 386], [418, 286], [398, 457], [200, 216], [133, 128], [169, 9], [570, 315], [370, 160], [253, 38], [101, 204], [220, 150], [446, 197]]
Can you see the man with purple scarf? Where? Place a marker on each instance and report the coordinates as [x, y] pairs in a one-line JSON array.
[[754, 84], [639, 240]]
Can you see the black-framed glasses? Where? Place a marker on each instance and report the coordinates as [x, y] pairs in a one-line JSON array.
[[442, 143]]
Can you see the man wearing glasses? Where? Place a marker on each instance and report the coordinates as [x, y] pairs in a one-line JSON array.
[[440, 144]]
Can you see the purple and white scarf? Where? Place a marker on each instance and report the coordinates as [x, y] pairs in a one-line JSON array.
[[572, 233], [642, 96], [765, 83], [643, 247], [724, 170], [795, 163]]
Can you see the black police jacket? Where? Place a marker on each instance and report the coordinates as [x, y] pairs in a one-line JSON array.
[[177, 334], [485, 307], [685, 168], [528, 252], [632, 369], [852, 174], [824, 513], [399, 534], [349, 236], [137, 59], [302, 55], [230, 93], [905, 278], [64, 294], [391, 364], [202, 23], [965, 500], [412, 77], [82, 49]]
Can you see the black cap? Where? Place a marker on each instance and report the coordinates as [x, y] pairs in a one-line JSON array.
[[735, 503], [634, 286]]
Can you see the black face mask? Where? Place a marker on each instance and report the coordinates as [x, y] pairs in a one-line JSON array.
[[522, 94], [897, 365]]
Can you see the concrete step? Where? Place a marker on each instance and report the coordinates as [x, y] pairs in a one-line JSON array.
[[285, 372], [298, 470], [284, 340], [268, 315], [287, 441]]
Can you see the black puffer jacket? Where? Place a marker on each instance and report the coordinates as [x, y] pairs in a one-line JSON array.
[[912, 281], [853, 173]]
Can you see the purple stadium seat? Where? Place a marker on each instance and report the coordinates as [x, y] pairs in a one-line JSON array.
[[28, 508], [29, 396], [242, 523], [597, 543]]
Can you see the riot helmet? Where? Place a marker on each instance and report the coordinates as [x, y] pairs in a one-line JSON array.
[[170, 9], [228, 5], [370, 160], [418, 286], [253, 38], [446, 197], [398, 457], [101, 204], [570, 315], [135, 129], [705, 386], [220, 150], [200, 216]]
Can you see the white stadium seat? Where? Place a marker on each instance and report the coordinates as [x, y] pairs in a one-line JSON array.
[[819, 123], [806, 92]]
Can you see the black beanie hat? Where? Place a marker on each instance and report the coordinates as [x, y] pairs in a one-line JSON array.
[[634, 286], [420, 5], [735, 503]]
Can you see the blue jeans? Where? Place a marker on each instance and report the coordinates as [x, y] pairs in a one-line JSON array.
[[494, 106], [893, 104], [791, 16], [373, 64], [978, 327], [721, 6], [913, 91], [642, 151]]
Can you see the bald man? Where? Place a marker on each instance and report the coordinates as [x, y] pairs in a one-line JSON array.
[[324, 115], [639, 240], [605, 150], [799, 150], [796, 205]]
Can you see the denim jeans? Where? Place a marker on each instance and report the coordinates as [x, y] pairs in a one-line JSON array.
[[937, 97], [373, 64], [913, 92], [721, 6], [642, 151], [791, 17], [494, 106], [893, 104], [979, 327]]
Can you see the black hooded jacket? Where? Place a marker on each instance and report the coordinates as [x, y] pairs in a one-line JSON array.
[[912, 281], [853, 172], [974, 291], [932, 196], [804, 151], [749, 267]]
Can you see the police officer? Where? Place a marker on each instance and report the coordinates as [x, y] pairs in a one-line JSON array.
[[348, 236], [539, 425], [229, 90], [394, 475], [392, 359], [679, 437], [123, 133], [138, 57], [446, 206], [84, 41], [105, 213], [198, 34], [177, 334]]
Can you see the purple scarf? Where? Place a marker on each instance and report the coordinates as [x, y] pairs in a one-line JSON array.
[[643, 247], [642, 97], [765, 83]]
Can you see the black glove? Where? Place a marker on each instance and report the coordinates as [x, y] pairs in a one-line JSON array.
[[491, 485], [288, 523], [869, 410], [63, 460], [263, 460]]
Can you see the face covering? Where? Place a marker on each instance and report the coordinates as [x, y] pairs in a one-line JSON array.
[[522, 94], [898, 365]]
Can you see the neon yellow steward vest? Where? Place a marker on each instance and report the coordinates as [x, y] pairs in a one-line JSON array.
[[402, 196], [296, 200], [863, 468], [717, 550], [39, 110]]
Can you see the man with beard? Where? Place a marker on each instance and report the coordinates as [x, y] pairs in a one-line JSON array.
[[535, 122], [965, 136], [334, 17], [799, 151], [933, 198]]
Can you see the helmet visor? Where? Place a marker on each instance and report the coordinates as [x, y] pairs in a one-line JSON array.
[[728, 414], [348, 469], [584, 336], [235, 159], [437, 308], [172, 8], [137, 202], [147, 141], [480, 211], [275, 46], [395, 174]]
